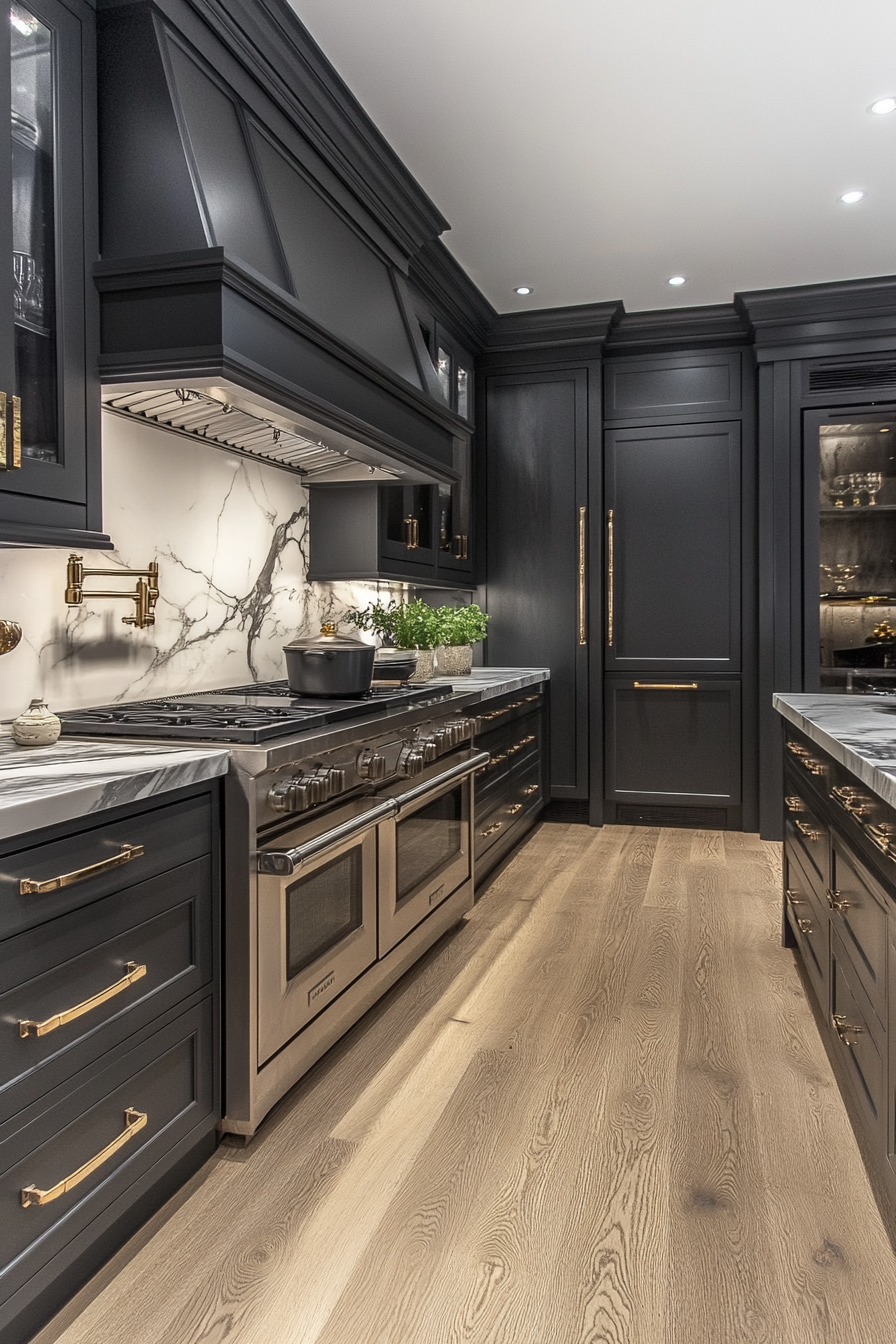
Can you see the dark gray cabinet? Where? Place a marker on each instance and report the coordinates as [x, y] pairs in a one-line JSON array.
[[50, 490], [673, 548], [674, 387], [537, 426], [673, 744], [109, 1070], [509, 792]]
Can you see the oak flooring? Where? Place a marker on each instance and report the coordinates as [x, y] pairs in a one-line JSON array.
[[597, 1113]]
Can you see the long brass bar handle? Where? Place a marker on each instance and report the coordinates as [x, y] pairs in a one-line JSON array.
[[583, 614], [666, 685], [28, 886], [610, 578], [133, 1122], [133, 972]]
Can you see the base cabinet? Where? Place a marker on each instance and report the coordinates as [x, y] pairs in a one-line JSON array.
[[109, 1077], [840, 915], [510, 792]]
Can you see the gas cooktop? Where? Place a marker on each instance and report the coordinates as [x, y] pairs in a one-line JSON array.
[[252, 713]]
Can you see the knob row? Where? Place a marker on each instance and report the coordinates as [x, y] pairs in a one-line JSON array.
[[304, 791]]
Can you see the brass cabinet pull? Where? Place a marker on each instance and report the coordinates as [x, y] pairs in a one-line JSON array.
[[804, 926], [583, 621], [836, 901], [808, 831], [850, 798], [844, 1028], [797, 749], [28, 1028], [411, 533], [514, 808], [794, 804], [610, 578], [882, 835], [460, 547], [133, 1121], [792, 897], [10, 432], [666, 685], [29, 886], [814, 767], [527, 793], [491, 830]]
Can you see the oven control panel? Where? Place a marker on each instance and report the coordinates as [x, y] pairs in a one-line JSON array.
[[308, 784]]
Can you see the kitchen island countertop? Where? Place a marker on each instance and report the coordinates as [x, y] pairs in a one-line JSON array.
[[494, 681], [859, 731], [43, 786]]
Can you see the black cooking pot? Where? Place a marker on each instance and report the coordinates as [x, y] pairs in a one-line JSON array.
[[329, 664]]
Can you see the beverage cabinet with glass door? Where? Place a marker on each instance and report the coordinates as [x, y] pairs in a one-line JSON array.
[[49, 408], [856, 562]]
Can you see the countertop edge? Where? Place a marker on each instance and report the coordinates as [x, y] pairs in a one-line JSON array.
[[879, 778]]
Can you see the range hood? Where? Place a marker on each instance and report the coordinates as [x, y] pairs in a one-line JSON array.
[[253, 288]]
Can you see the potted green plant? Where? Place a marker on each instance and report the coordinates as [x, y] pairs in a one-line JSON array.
[[460, 628], [405, 625]]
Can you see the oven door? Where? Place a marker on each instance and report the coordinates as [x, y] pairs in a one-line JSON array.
[[317, 912], [425, 850]]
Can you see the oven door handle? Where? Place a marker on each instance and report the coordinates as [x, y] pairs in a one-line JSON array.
[[284, 862], [456, 771]]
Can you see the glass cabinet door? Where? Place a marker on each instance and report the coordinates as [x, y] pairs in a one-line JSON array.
[[857, 550], [406, 513], [33, 126], [453, 514]]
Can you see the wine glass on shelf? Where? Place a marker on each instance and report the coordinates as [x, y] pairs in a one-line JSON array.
[[840, 575], [856, 485], [873, 480], [838, 490]]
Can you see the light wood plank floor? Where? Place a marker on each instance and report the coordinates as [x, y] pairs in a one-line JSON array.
[[598, 1112]]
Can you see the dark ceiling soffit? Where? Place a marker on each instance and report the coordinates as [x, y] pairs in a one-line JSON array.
[[668, 328], [821, 316], [546, 328], [211, 266], [268, 39], [454, 299]]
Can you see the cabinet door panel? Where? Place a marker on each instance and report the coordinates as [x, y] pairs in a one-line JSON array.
[[673, 746], [537, 444], [674, 493], [673, 386]]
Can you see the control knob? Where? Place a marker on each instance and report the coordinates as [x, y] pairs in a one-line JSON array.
[[370, 764], [412, 760], [297, 794]]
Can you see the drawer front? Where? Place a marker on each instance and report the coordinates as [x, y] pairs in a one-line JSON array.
[[858, 1041], [169, 836], [491, 822], [810, 926], [492, 715], [859, 914], [810, 763], [525, 789], [166, 1078], [161, 929], [803, 825]]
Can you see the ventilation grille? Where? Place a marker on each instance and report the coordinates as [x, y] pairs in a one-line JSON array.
[[704, 818], [572, 813], [852, 377]]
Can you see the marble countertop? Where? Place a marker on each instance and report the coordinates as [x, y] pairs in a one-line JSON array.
[[859, 731], [42, 786], [494, 681]]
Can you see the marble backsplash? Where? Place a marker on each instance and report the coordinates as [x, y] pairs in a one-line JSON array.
[[231, 538]]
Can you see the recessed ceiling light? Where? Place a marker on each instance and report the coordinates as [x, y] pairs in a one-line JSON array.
[[883, 106], [677, 279], [523, 289], [850, 197]]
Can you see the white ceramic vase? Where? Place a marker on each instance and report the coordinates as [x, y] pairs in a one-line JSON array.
[[37, 727]]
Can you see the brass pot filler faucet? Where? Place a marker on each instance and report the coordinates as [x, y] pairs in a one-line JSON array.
[[144, 598]]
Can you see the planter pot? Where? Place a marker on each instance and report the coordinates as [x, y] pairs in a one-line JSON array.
[[455, 660], [425, 666]]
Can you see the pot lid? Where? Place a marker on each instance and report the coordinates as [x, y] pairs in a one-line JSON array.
[[329, 638]]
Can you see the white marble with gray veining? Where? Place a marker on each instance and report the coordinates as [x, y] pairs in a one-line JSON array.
[[494, 681], [43, 786], [859, 731]]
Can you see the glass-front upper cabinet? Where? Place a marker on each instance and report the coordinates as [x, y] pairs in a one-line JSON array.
[[856, 562], [49, 403]]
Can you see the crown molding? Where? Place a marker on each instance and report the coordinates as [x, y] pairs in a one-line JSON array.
[[672, 328]]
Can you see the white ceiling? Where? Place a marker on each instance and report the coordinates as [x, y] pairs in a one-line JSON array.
[[593, 148]]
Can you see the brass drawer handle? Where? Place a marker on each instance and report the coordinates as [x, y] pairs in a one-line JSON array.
[[492, 830], [844, 1028], [795, 804], [134, 972], [853, 800], [514, 808], [882, 836], [814, 767], [29, 887], [797, 749], [10, 433], [411, 534], [836, 901], [804, 926], [792, 897], [808, 831], [666, 686], [133, 1121], [527, 793]]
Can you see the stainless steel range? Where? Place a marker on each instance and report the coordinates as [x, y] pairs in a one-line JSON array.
[[348, 853]]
